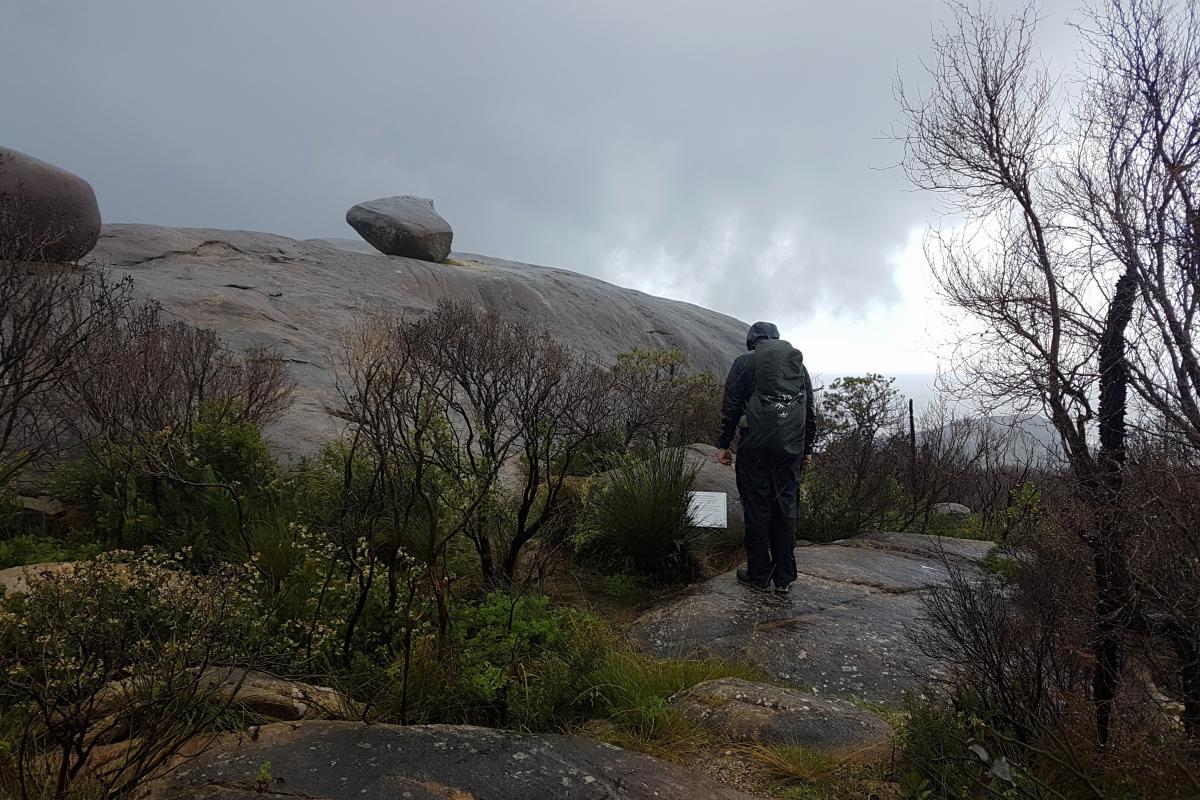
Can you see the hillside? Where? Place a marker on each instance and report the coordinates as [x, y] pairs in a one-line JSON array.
[[299, 296]]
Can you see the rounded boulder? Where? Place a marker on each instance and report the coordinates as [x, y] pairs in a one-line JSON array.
[[759, 713], [403, 226], [46, 213]]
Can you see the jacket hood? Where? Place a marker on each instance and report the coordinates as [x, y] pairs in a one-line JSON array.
[[760, 332]]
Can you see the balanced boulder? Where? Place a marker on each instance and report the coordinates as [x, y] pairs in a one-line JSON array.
[[46, 213], [403, 226]]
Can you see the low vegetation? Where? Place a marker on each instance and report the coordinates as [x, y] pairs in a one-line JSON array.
[[402, 565]]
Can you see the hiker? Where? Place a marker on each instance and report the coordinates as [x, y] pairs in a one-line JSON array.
[[769, 401]]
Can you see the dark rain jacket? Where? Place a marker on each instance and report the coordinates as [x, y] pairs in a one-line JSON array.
[[740, 385]]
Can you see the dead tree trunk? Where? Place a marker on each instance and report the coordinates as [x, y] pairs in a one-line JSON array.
[[1104, 490]]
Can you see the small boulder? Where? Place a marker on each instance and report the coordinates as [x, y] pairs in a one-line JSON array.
[[403, 226], [257, 692], [17, 579], [46, 213], [772, 715], [956, 510], [712, 476], [276, 698]]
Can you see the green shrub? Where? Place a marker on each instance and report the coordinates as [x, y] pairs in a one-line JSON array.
[[936, 758], [1002, 562], [523, 662], [638, 517], [958, 752], [514, 661], [32, 549], [116, 643], [969, 526], [623, 587], [1025, 516], [193, 490], [519, 661]]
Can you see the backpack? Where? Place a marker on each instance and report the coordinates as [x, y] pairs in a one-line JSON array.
[[777, 410]]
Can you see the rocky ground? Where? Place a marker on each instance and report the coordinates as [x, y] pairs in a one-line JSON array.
[[338, 760], [837, 639], [840, 632]]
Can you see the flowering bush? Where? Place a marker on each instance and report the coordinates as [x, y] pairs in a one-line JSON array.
[[96, 650]]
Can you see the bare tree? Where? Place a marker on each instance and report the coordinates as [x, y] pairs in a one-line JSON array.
[[1078, 262], [662, 401], [474, 422], [135, 395], [49, 315], [182, 375]]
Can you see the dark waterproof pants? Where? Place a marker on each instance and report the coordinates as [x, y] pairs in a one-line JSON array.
[[768, 493]]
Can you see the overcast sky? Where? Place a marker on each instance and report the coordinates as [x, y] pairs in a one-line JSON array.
[[733, 154]]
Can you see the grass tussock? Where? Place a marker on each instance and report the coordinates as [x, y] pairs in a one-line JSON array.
[[633, 691], [638, 517]]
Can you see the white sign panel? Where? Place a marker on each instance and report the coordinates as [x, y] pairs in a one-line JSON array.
[[708, 509]]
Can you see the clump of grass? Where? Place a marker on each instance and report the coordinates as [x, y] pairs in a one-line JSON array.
[[800, 773], [969, 526], [638, 516], [31, 548], [1002, 563], [792, 762], [633, 691]]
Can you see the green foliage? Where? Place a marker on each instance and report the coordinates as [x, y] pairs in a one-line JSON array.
[[32, 549], [595, 456], [861, 406], [956, 752], [523, 662], [936, 758], [118, 639], [663, 402], [832, 507], [519, 661], [1025, 515], [514, 661], [124, 606], [192, 490], [1002, 562], [623, 587], [638, 517], [968, 526]]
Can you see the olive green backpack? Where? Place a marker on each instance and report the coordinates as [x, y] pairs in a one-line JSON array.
[[775, 415]]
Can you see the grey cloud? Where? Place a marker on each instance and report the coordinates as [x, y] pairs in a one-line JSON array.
[[735, 148]]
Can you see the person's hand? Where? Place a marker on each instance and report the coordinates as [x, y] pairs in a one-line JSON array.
[[725, 457]]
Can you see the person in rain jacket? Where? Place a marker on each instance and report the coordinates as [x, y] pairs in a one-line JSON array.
[[768, 486]]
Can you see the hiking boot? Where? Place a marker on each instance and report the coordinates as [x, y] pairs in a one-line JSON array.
[[743, 577], [784, 589]]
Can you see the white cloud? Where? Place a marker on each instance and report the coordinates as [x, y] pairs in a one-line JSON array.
[[900, 337]]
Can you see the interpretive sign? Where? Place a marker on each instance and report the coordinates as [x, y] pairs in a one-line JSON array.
[[708, 509]]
